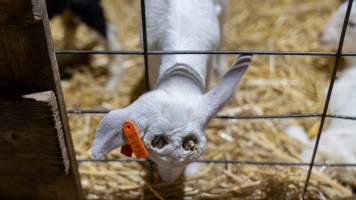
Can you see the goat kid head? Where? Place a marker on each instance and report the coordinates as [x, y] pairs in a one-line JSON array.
[[332, 30], [171, 123]]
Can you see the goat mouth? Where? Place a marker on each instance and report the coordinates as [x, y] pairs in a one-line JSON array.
[[178, 160]]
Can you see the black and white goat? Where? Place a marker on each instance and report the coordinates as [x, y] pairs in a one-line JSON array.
[[92, 14]]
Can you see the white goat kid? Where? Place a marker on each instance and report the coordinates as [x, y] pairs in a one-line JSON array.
[[337, 144], [171, 118]]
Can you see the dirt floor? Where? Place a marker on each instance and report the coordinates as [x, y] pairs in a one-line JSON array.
[[273, 85]]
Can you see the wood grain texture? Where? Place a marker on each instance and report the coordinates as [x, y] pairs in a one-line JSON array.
[[13, 187], [25, 66], [31, 136], [74, 188], [34, 162], [37, 158], [19, 12]]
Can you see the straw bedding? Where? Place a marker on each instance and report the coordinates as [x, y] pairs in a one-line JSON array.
[[273, 85]]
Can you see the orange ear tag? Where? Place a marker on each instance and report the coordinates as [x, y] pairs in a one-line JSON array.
[[134, 141], [126, 150]]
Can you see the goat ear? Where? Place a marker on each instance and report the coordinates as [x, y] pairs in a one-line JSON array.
[[109, 133], [224, 89]]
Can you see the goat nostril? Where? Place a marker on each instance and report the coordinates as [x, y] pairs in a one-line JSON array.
[[189, 143], [159, 141]]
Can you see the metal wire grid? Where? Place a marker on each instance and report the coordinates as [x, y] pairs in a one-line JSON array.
[[240, 117], [145, 52]]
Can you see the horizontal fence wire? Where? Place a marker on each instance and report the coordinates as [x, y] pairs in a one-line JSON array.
[[238, 162], [213, 52], [242, 117], [145, 52], [329, 93]]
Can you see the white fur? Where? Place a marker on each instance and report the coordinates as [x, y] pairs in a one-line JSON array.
[[177, 109], [182, 25], [297, 133], [193, 169], [337, 143], [115, 67], [332, 31]]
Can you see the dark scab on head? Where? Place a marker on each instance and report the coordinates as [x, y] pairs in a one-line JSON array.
[[190, 143], [159, 141]]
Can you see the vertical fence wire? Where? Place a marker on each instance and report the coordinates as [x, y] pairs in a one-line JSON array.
[[145, 44], [330, 89], [338, 55], [147, 76]]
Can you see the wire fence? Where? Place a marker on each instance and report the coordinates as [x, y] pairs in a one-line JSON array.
[[210, 52], [241, 162], [322, 116], [240, 117]]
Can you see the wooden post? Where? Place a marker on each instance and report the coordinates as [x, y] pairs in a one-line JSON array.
[[37, 158]]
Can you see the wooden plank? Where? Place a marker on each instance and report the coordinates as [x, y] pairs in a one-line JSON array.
[[35, 188], [31, 136], [32, 160], [25, 66], [75, 189], [28, 65], [19, 12], [31, 141]]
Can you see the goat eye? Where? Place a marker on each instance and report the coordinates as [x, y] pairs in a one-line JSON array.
[[352, 24]]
